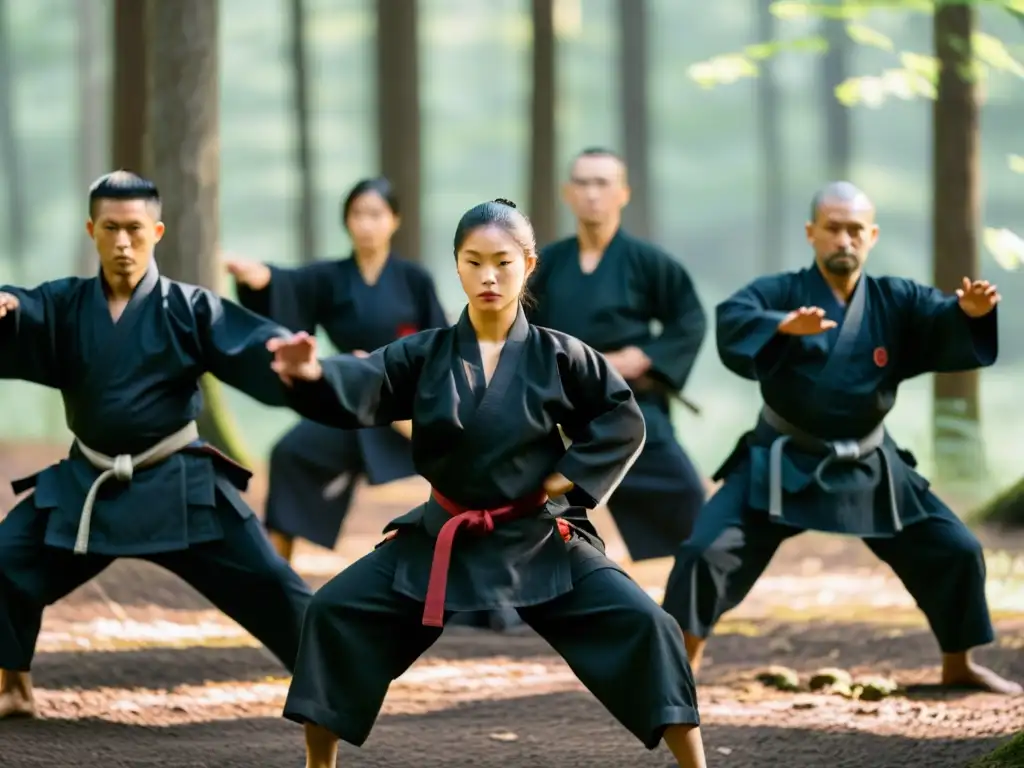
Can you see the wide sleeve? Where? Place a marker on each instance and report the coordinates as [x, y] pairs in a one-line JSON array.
[[604, 424], [536, 300], [673, 302], [293, 298], [746, 328], [357, 392], [29, 338], [940, 338], [233, 342], [429, 308]]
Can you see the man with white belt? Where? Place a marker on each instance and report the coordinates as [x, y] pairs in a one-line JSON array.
[[126, 349]]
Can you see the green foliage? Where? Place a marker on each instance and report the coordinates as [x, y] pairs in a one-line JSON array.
[[1009, 755], [917, 76], [722, 70]]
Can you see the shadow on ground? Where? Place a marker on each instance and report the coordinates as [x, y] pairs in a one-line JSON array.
[[553, 731]]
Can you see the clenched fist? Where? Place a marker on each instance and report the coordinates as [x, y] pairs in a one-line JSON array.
[[249, 273], [806, 321], [8, 304]]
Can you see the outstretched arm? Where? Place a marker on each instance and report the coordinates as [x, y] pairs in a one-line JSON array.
[[347, 391], [747, 328], [28, 334], [605, 426], [233, 342], [951, 333], [290, 297]]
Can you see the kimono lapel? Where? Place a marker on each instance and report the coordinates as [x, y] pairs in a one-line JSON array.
[[110, 338], [478, 399], [844, 338], [129, 317]]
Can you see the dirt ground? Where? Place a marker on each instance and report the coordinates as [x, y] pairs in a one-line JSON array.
[[136, 669]]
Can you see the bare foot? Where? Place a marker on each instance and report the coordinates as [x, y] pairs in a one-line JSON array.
[[16, 695], [975, 676]]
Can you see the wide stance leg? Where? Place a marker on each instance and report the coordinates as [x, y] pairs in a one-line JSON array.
[[627, 651], [243, 576], [358, 636], [32, 576], [715, 569], [942, 565], [303, 466]]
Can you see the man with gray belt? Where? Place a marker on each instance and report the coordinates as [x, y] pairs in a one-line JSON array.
[[829, 346], [126, 349]]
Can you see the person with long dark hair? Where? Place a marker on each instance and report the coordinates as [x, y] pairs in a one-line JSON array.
[[362, 302]]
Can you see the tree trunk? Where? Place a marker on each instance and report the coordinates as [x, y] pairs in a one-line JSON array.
[[834, 72], [130, 82], [17, 231], [92, 95], [184, 154], [398, 114], [955, 220], [769, 141], [543, 185], [635, 108], [306, 217]]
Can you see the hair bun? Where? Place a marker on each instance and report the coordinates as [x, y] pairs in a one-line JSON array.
[[504, 201]]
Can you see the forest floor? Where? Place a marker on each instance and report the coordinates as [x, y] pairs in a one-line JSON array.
[[136, 669]]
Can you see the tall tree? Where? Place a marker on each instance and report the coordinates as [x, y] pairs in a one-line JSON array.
[[131, 82], [92, 96], [543, 183], [956, 214], [17, 221], [398, 114], [769, 140], [635, 112], [837, 124], [306, 212], [183, 152]]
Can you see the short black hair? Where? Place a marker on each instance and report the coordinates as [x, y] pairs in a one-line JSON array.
[[599, 151], [837, 191], [379, 185], [124, 185]]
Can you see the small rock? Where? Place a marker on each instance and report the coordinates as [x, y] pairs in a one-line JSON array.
[[839, 689], [807, 704], [503, 736], [781, 678], [876, 688], [723, 750], [830, 676]]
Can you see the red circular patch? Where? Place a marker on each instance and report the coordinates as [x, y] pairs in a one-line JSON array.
[[406, 330], [881, 357], [564, 528]]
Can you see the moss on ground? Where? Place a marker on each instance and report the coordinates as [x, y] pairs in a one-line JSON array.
[[1009, 755]]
